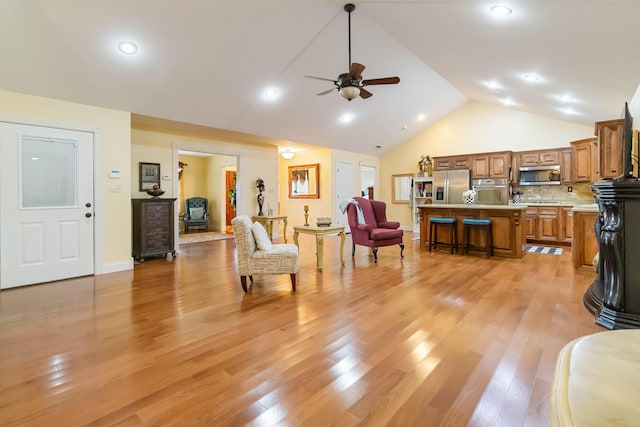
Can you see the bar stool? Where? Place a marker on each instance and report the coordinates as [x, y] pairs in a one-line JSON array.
[[486, 225], [433, 232]]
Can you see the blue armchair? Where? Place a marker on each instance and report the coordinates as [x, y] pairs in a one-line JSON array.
[[196, 213]]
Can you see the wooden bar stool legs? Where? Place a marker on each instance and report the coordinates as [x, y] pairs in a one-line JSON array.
[[486, 225], [433, 232]]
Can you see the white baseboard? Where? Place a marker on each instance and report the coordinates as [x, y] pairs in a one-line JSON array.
[[115, 267]]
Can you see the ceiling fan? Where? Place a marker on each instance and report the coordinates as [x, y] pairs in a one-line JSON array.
[[351, 84]]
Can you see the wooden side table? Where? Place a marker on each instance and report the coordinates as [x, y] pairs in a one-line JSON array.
[[320, 232], [268, 220]]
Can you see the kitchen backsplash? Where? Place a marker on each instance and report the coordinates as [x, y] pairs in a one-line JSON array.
[[580, 195]]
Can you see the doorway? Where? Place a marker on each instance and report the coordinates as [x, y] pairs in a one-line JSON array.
[[367, 181], [204, 174], [345, 189]]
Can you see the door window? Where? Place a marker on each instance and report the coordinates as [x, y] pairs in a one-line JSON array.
[[48, 173]]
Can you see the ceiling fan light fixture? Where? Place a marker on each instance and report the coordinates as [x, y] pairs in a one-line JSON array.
[[349, 92]]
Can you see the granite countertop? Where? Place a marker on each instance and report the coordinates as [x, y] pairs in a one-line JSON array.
[[474, 206], [585, 208]]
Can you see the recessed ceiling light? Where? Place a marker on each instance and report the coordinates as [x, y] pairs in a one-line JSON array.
[[346, 118], [508, 102], [565, 98], [422, 117], [271, 93], [493, 85], [404, 127], [530, 77], [501, 10], [378, 146], [128, 48], [568, 111]]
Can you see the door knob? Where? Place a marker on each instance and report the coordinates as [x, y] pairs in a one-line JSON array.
[[88, 204], [88, 214]]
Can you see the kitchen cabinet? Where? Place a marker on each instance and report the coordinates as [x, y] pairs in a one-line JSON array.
[[540, 158], [548, 223], [516, 162], [451, 163], [491, 165], [583, 169], [566, 166], [422, 195], [152, 221], [585, 244], [531, 223], [610, 147], [565, 221]]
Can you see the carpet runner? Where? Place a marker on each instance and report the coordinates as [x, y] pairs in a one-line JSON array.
[[543, 250], [185, 239]]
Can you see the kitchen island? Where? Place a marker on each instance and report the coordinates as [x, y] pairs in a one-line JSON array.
[[508, 225]]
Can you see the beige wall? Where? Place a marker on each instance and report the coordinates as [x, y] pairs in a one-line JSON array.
[[474, 128], [216, 167], [114, 252]]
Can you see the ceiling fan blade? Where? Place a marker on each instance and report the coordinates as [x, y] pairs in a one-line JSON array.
[[365, 93], [322, 78], [327, 91], [382, 81], [356, 71]]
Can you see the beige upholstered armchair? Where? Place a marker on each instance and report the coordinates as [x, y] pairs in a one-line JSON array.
[[257, 255]]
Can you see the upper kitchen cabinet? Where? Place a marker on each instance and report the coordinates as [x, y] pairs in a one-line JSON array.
[[566, 166], [451, 163], [491, 165], [516, 162], [584, 169], [610, 147], [540, 158]]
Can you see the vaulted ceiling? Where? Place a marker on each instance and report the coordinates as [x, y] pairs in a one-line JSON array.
[[210, 62]]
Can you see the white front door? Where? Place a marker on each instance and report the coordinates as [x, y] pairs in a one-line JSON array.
[[46, 204], [345, 189]]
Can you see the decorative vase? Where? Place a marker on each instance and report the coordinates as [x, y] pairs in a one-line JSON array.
[[516, 199], [260, 203], [429, 169]]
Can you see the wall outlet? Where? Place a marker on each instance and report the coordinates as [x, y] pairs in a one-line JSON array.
[[570, 189]]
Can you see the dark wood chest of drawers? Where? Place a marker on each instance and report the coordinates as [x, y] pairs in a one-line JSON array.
[[152, 227]]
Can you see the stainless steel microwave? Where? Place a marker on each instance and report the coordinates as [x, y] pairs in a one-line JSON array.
[[540, 175], [491, 191]]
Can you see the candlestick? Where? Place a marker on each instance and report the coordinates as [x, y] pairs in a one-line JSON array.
[[306, 215]]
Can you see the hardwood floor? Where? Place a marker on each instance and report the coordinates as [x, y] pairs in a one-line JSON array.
[[432, 339]]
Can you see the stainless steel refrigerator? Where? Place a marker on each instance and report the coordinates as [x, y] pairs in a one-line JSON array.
[[448, 186]]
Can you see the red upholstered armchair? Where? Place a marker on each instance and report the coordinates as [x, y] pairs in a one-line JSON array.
[[370, 227]]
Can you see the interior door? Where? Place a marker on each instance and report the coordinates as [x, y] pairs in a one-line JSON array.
[[46, 208], [345, 189], [230, 187]]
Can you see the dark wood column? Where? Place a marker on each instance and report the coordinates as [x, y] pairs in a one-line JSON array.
[[614, 297]]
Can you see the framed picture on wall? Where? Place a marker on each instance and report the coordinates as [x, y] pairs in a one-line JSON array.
[[149, 175]]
